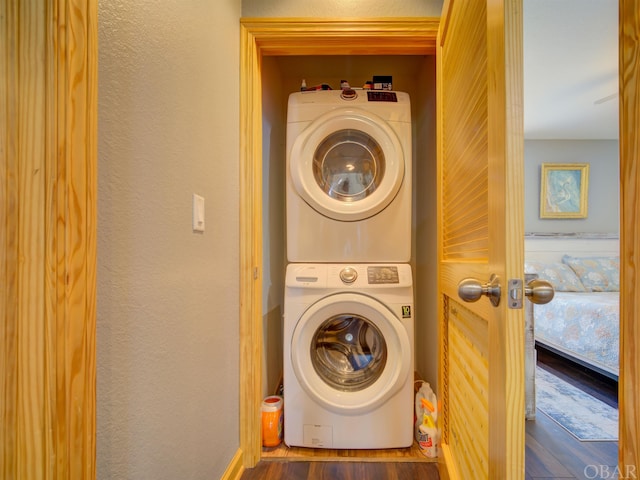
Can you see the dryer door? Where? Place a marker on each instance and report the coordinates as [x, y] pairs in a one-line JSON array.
[[350, 353], [347, 165]]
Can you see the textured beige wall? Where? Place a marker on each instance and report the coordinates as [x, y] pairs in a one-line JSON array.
[[168, 302]]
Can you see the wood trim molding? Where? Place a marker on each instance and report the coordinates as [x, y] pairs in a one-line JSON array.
[[581, 236], [290, 36], [343, 36], [48, 238], [235, 468], [629, 393], [250, 248]]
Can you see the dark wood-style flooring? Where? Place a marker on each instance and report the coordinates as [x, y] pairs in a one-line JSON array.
[[272, 470], [551, 452]]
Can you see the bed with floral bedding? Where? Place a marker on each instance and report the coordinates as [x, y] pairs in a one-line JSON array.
[[582, 321]]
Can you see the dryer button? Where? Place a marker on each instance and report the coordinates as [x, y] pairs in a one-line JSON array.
[[348, 275]]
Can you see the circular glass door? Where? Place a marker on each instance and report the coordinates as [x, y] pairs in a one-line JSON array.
[[349, 352], [347, 165]]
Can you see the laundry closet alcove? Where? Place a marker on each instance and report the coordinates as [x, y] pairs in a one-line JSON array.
[[273, 51]]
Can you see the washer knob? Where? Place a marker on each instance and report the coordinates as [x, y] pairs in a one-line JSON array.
[[348, 275]]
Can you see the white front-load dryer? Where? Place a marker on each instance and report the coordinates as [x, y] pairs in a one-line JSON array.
[[348, 186], [348, 356]]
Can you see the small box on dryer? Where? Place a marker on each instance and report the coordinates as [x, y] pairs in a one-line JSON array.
[[382, 82]]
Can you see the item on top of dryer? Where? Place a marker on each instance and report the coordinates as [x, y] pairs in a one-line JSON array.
[[383, 82], [272, 421], [322, 86], [303, 85], [344, 85]]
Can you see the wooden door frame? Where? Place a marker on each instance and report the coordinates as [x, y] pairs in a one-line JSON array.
[[48, 141], [290, 36], [629, 143]]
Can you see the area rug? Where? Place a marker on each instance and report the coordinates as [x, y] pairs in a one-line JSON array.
[[585, 417]]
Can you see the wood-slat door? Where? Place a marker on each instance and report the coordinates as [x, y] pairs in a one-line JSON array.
[[480, 232]]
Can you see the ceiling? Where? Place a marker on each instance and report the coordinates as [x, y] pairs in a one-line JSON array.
[[570, 69]]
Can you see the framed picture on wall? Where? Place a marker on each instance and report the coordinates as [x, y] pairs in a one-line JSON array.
[[563, 190]]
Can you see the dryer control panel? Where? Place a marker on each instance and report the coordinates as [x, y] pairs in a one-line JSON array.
[[381, 96]]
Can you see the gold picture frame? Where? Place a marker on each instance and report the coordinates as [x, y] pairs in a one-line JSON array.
[[564, 190]]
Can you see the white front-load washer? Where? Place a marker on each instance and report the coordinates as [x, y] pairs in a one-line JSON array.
[[348, 356], [348, 186]]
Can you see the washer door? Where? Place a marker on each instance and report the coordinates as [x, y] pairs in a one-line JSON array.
[[350, 353], [347, 165]]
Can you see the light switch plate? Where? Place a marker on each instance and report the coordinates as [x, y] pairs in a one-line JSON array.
[[198, 213]]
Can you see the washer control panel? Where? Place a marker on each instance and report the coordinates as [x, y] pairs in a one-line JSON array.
[[348, 276], [377, 274]]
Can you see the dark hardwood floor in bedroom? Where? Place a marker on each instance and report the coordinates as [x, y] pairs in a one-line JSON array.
[[551, 452]]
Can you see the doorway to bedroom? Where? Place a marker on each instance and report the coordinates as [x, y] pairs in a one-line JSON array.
[[571, 133]]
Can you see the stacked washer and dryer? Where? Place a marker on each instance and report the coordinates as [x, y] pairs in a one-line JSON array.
[[348, 306]]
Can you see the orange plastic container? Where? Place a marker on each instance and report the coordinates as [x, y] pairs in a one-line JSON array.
[[272, 421]]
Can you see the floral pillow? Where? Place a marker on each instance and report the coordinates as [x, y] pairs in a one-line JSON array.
[[598, 274], [559, 275]]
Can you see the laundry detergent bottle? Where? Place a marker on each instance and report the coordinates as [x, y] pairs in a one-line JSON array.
[[427, 437], [272, 421], [426, 417]]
